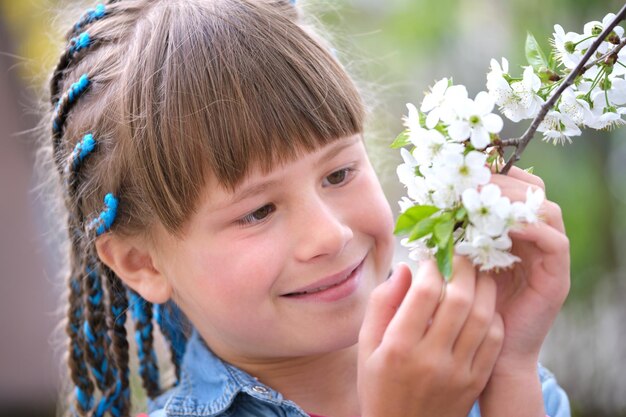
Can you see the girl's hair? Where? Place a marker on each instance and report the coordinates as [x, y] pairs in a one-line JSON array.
[[149, 99]]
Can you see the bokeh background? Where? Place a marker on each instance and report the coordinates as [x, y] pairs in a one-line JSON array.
[[396, 49]]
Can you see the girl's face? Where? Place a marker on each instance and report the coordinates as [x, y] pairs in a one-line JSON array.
[[284, 266]]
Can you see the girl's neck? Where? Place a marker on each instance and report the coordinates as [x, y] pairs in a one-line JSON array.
[[322, 384]]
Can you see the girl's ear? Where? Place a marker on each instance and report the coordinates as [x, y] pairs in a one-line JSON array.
[[133, 263]]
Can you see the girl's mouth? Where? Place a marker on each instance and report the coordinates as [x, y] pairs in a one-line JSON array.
[[331, 289]]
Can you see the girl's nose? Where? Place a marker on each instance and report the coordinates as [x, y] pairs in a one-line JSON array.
[[322, 231]]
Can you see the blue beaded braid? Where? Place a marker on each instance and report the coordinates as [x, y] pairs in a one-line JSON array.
[[106, 217], [91, 15], [81, 150], [168, 316], [65, 103], [94, 330], [84, 387], [79, 42], [118, 306], [141, 311]]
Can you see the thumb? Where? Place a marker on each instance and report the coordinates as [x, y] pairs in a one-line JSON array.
[[383, 304]]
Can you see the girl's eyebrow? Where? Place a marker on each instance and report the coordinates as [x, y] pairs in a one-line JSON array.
[[260, 187], [252, 190]]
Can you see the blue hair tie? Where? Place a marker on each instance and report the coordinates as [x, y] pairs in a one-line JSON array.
[[81, 150], [75, 90], [106, 218], [85, 400], [81, 41], [78, 87], [91, 15]]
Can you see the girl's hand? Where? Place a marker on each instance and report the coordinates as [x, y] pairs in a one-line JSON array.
[[420, 357], [531, 293]]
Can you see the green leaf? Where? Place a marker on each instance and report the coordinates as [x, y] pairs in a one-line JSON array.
[[553, 63], [422, 228], [422, 117], [407, 220], [460, 214], [402, 140], [444, 257], [443, 231], [535, 56]]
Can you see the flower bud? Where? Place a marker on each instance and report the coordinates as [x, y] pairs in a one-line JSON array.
[[546, 74], [606, 84], [596, 30], [570, 47], [612, 38], [610, 60]]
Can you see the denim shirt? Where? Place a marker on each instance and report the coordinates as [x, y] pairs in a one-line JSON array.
[[212, 387]]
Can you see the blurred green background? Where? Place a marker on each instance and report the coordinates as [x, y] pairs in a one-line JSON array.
[[396, 49]]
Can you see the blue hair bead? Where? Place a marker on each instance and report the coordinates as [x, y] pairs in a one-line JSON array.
[[86, 401], [99, 11], [82, 149], [106, 218], [78, 87], [81, 41], [91, 15]]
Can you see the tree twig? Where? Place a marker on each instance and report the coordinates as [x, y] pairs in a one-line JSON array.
[[521, 142], [606, 55]]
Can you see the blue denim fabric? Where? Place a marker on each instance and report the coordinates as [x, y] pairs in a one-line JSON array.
[[212, 387]]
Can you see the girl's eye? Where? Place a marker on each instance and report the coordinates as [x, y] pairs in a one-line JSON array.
[[258, 215], [339, 176]]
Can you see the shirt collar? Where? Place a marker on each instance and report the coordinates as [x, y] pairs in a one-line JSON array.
[[209, 385]]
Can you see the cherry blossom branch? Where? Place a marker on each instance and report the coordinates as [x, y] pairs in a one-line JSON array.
[[614, 51], [521, 142]]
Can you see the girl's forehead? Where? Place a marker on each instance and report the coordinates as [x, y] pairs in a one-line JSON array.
[[258, 179]]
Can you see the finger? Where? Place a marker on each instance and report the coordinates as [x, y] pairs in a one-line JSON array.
[[417, 308], [455, 307], [479, 319], [527, 177], [555, 260], [489, 349], [383, 304], [549, 211]]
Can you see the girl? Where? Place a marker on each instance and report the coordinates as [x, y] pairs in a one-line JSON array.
[[216, 183]]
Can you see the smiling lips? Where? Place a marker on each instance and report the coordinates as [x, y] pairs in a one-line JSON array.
[[331, 288]]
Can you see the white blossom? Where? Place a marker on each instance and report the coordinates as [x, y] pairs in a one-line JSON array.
[[558, 128], [463, 172], [528, 211], [418, 251], [486, 251], [475, 121], [438, 102], [412, 122], [577, 109], [569, 46], [405, 203], [594, 28], [429, 144], [518, 100], [487, 210]]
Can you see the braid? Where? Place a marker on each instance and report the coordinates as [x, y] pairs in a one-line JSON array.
[[94, 327], [168, 316], [64, 105], [77, 44], [91, 15], [78, 371], [118, 306], [148, 368]]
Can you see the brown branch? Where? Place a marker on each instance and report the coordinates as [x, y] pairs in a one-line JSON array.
[[521, 143], [613, 51]]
